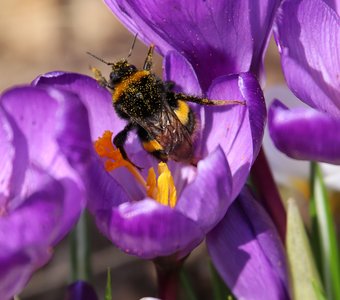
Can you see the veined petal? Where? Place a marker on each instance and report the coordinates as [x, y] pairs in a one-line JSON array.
[[304, 133], [238, 129], [206, 199], [307, 33], [148, 229], [217, 37], [177, 69], [247, 252]]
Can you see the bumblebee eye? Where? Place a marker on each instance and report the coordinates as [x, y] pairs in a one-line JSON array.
[[131, 68], [114, 77]]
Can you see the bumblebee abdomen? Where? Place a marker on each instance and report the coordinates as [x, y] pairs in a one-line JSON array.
[[151, 145], [185, 115]]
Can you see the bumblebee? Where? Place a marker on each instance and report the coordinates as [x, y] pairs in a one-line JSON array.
[[162, 118]]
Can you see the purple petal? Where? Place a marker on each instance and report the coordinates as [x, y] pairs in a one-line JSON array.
[[39, 127], [248, 253], [80, 290], [26, 235], [103, 191], [334, 4], [179, 70], [43, 211], [304, 133], [206, 199], [73, 205], [238, 129], [41, 130], [72, 130], [307, 33], [14, 160], [96, 99], [148, 229], [17, 268], [217, 37]]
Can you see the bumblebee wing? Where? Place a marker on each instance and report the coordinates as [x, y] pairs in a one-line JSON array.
[[174, 132], [167, 130]]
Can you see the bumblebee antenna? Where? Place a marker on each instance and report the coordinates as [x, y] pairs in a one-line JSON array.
[[100, 59], [133, 46]]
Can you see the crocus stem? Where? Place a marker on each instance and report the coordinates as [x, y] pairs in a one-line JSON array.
[[263, 180], [168, 275], [80, 254]]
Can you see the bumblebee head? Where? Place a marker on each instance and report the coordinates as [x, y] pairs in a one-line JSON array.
[[121, 70]]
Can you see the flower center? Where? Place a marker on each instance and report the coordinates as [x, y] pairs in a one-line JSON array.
[[162, 189]]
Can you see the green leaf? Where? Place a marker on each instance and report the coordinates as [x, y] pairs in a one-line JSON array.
[[304, 276], [108, 289], [187, 286], [220, 290], [328, 248]]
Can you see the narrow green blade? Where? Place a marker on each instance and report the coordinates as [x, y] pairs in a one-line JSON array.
[[187, 286], [220, 290], [108, 289], [328, 247], [304, 276]]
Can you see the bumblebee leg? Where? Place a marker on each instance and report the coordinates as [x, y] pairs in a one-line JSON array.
[[119, 141], [99, 77], [148, 61], [169, 85], [206, 101]]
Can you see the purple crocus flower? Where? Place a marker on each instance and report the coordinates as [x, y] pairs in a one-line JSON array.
[[227, 146], [214, 39], [41, 195], [308, 37]]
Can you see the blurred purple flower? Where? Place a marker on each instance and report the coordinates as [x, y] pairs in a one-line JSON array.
[[217, 37], [308, 38], [248, 252], [41, 197], [80, 290]]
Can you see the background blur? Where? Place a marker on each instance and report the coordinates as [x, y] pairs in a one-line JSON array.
[[41, 36]]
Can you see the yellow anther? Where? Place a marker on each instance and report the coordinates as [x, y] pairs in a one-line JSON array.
[[163, 189], [151, 184]]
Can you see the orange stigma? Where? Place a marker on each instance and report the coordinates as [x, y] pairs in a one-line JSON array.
[[163, 189]]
